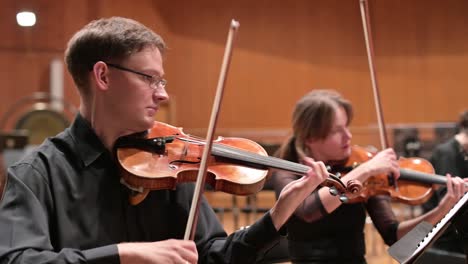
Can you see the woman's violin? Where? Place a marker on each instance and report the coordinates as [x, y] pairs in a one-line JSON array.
[[414, 186], [167, 156]]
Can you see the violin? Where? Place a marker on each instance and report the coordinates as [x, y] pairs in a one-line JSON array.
[[416, 182], [167, 156], [414, 186]]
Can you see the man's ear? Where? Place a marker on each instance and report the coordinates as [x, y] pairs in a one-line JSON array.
[[100, 75]]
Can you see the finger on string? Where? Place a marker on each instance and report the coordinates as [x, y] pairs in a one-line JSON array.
[[308, 161], [460, 187], [449, 184]]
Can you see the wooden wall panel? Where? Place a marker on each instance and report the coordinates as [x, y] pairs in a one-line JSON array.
[[283, 50]]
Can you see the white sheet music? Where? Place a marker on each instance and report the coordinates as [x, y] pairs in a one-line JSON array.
[[438, 228]]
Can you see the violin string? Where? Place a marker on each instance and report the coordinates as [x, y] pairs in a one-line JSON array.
[[243, 155], [234, 153]]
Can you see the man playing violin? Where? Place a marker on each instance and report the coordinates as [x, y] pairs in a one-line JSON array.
[[323, 229], [64, 202]]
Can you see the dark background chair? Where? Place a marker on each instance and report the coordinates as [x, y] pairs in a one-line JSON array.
[[12, 145]]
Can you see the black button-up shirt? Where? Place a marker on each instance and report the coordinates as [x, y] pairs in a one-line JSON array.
[[64, 204]]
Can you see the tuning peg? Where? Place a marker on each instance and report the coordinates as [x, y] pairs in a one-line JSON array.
[[344, 199], [333, 191]]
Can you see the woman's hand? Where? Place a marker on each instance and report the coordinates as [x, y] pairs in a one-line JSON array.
[[385, 162]]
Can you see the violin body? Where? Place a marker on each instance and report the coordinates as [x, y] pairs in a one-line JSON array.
[[414, 192], [142, 170], [406, 189]]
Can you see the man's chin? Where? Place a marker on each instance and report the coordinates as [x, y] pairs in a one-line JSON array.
[[149, 123], [144, 124]]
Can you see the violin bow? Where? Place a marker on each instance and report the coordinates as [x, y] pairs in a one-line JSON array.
[[370, 56], [199, 187]]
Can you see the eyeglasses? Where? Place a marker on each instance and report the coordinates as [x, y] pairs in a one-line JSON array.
[[154, 81]]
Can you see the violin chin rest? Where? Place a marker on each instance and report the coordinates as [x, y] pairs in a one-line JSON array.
[[137, 197]]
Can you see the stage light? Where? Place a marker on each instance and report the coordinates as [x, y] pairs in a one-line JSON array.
[[26, 19]]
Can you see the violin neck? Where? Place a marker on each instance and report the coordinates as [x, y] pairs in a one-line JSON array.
[[411, 175], [256, 160]]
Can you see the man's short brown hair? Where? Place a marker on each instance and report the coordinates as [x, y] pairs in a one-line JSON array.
[[107, 39]]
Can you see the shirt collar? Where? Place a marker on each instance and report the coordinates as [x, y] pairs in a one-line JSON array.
[[88, 145]]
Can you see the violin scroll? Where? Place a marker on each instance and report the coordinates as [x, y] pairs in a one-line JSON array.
[[337, 187], [354, 187]]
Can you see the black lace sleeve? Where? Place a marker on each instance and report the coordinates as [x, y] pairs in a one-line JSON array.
[[381, 213], [311, 209]]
